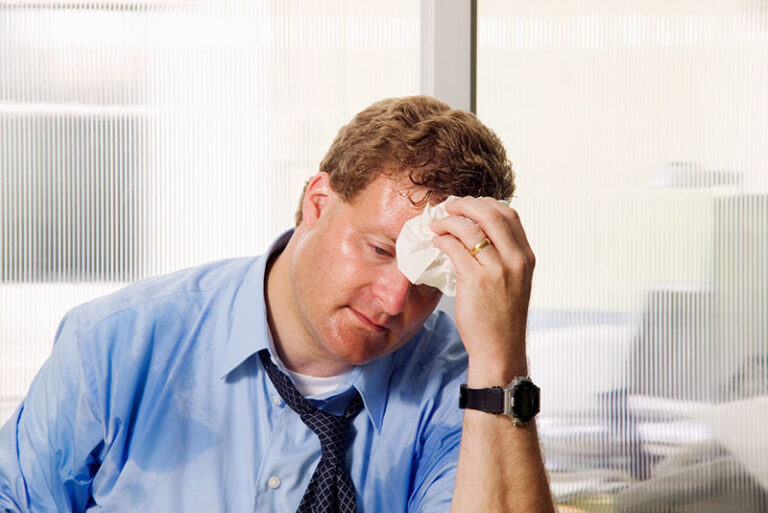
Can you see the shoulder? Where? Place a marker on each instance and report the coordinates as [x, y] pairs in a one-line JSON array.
[[126, 342], [158, 321], [161, 295]]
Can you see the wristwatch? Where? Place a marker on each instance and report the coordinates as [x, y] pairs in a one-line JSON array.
[[519, 400]]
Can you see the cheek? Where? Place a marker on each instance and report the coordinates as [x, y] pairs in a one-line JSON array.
[[310, 285], [347, 261], [354, 270], [328, 266]]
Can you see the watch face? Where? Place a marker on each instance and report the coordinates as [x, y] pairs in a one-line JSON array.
[[526, 404]]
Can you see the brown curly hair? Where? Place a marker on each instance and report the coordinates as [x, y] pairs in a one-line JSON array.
[[448, 151]]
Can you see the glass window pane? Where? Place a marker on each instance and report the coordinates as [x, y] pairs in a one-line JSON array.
[[638, 131], [140, 138]]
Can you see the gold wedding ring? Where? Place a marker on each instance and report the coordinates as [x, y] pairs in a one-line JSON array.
[[477, 248]]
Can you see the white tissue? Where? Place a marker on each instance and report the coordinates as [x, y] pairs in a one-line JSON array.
[[418, 259]]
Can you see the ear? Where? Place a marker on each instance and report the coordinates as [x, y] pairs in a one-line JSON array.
[[317, 198]]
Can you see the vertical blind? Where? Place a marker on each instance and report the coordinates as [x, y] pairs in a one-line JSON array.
[[137, 138], [639, 132]]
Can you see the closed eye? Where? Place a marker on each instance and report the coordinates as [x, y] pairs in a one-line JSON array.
[[381, 251]]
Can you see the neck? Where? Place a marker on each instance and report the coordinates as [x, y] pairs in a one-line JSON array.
[[294, 342]]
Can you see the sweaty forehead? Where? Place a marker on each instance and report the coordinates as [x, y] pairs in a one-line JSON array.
[[387, 203]]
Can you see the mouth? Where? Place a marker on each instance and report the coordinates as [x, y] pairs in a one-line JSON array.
[[368, 323]]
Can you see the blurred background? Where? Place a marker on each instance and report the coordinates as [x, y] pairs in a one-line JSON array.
[[140, 137]]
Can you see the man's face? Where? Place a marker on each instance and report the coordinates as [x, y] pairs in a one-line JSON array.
[[354, 304]]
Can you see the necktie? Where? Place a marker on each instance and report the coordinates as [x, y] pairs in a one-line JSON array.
[[330, 489]]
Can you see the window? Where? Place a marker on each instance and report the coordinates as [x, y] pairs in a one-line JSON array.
[[638, 131], [140, 138]]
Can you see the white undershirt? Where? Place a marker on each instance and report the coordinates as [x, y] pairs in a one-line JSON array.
[[313, 386], [309, 385]]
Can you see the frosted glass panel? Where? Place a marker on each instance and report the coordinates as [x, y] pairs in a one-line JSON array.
[[639, 131], [137, 138]]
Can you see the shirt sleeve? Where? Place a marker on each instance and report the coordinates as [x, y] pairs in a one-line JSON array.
[[49, 448]]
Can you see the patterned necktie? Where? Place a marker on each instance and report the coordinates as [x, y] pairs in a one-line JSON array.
[[330, 490]]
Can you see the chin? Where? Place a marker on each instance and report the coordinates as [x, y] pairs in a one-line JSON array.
[[351, 350], [358, 361], [356, 355]]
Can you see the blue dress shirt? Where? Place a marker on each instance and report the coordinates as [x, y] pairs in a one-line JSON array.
[[153, 399]]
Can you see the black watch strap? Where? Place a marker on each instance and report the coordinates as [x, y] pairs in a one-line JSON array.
[[490, 400]]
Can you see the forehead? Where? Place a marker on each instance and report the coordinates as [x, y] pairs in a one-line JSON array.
[[387, 203]]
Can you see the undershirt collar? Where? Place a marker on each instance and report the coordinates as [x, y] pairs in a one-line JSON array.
[[311, 386]]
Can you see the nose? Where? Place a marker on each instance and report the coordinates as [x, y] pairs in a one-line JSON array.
[[392, 289]]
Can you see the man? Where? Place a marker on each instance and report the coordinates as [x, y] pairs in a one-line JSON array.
[[186, 392]]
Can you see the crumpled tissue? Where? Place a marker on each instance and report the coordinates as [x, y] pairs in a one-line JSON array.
[[418, 259]]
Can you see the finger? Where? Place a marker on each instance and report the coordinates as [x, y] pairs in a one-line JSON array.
[[469, 233], [464, 263], [515, 225], [492, 222]]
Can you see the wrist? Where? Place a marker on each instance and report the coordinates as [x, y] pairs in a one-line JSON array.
[[519, 400], [482, 373]]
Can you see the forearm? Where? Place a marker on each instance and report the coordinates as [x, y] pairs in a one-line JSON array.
[[500, 464]]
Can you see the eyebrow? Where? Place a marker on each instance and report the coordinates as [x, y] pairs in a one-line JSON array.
[[390, 239], [383, 231]]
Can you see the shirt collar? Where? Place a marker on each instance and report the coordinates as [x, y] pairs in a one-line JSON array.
[[373, 383], [249, 331], [250, 334]]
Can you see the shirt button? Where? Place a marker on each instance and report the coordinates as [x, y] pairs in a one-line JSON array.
[[276, 400], [274, 482]]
